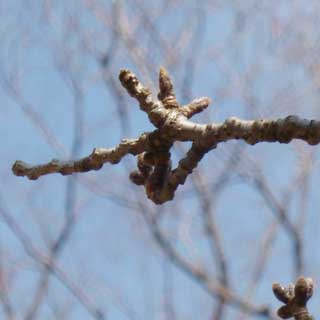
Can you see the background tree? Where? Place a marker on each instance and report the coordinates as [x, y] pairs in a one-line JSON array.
[[91, 245]]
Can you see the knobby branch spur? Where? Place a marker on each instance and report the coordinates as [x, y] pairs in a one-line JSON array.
[[172, 123]]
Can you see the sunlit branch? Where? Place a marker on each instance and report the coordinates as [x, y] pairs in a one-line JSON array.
[[172, 122]]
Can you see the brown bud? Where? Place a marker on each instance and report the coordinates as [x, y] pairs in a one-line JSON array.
[[303, 289], [137, 178], [165, 84], [280, 292], [144, 167]]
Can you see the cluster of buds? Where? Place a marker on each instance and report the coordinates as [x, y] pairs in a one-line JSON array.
[[153, 170], [295, 298]]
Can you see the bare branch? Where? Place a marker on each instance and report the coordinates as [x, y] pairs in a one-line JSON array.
[[173, 125], [94, 161]]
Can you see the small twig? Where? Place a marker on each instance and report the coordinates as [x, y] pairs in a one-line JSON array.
[[94, 161]]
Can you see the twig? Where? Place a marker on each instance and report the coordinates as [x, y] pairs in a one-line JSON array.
[[94, 161], [173, 124], [209, 284]]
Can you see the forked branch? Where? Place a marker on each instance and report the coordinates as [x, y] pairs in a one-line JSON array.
[[172, 124]]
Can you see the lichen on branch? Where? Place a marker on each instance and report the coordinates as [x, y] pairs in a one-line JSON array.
[[172, 124]]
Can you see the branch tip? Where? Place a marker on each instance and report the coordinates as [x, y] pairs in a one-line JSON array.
[[165, 85], [196, 106]]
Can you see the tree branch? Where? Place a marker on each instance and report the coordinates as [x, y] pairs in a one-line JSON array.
[[94, 161], [209, 284], [172, 122]]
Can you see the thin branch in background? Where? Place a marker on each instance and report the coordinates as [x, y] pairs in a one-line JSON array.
[[106, 61], [168, 290], [214, 239], [261, 261], [172, 121], [255, 178], [210, 285], [281, 213], [207, 199], [305, 164], [198, 33], [70, 215], [148, 21], [45, 262], [6, 304], [12, 88]]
